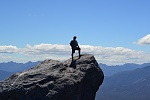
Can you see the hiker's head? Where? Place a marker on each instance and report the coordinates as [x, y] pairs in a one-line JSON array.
[[74, 37]]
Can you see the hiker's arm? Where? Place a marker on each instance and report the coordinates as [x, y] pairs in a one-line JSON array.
[[77, 44], [71, 43]]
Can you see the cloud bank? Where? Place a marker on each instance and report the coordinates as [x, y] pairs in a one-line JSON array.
[[144, 41], [8, 49], [106, 55]]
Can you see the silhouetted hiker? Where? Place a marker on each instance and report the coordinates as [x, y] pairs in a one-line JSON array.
[[74, 45]]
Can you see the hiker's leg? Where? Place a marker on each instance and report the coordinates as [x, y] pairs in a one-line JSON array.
[[72, 56], [73, 51], [79, 51]]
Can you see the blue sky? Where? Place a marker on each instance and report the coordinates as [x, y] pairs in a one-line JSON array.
[[100, 25]]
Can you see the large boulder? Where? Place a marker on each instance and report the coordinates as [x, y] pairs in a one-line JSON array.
[[77, 79]]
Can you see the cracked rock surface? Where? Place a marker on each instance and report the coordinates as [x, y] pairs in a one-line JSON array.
[[77, 79]]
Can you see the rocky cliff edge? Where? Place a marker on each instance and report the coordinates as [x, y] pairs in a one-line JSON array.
[[54, 80]]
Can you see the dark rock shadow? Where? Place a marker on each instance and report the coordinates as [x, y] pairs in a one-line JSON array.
[[73, 64]]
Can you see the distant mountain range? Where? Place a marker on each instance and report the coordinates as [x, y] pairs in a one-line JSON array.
[[127, 85], [4, 74], [111, 70], [16, 67], [7, 69]]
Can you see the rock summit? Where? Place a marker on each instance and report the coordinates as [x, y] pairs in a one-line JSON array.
[[77, 79]]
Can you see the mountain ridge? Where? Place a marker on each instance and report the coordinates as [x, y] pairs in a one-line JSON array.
[[16, 67], [111, 70], [4, 74], [127, 85]]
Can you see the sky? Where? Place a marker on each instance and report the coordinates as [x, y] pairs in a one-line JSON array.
[[114, 31]]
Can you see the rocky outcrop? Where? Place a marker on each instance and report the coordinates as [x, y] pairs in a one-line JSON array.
[[54, 80]]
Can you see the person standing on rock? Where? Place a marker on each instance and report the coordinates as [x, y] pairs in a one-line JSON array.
[[74, 45]]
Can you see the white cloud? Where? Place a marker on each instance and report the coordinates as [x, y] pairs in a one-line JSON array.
[[56, 49], [144, 41], [118, 55], [8, 49], [46, 51], [106, 55]]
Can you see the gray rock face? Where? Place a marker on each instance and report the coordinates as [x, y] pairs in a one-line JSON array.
[[54, 80]]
